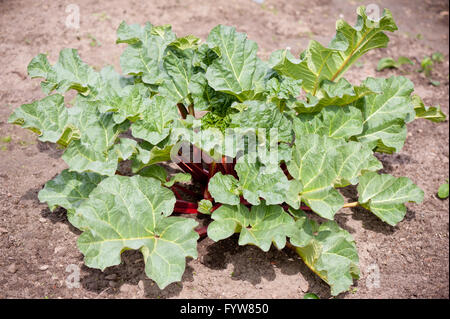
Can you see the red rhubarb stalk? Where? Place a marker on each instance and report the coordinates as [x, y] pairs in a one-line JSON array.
[[202, 231], [185, 207]]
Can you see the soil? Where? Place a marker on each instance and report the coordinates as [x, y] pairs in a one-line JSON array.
[[37, 247]]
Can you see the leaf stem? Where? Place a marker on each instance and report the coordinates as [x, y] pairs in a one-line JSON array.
[[354, 204], [202, 231], [185, 207], [182, 110], [191, 110]]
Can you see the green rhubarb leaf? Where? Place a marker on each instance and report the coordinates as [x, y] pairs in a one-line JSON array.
[[431, 113], [47, 117], [257, 180], [286, 88], [158, 118], [204, 56], [314, 168], [328, 250], [237, 70], [333, 121], [259, 116], [224, 189], [99, 149], [69, 189], [179, 70], [330, 93], [205, 97], [386, 195], [350, 160], [261, 226], [129, 33], [322, 163], [73, 73], [148, 154], [117, 94], [39, 67], [83, 158], [385, 114], [178, 178], [185, 43], [283, 91], [144, 55], [154, 171], [389, 63], [131, 213], [319, 63], [205, 206], [70, 72], [342, 122]]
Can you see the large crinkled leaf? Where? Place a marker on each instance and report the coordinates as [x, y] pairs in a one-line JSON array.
[[131, 213], [286, 64], [97, 149], [258, 115], [148, 154], [187, 42], [431, 113], [321, 164], [319, 63], [119, 95], [144, 55], [330, 93], [47, 117], [333, 121], [83, 158], [386, 138], [39, 67], [69, 189], [283, 91], [341, 92], [386, 195], [255, 181], [284, 88], [178, 72], [158, 118], [260, 226], [205, 97], [350, 160], [72, 73], [238, 70], [385, 114], [224, 189], [130, 33], [328, 250], [314, 168]]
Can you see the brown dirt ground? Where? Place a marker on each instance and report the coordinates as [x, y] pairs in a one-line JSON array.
[[36, 246]]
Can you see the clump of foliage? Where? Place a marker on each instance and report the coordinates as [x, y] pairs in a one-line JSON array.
[[327, 131], [390, 63], [443, 191], [427, 63]]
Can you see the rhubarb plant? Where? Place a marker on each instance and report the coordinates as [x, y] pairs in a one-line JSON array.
[[262, 146]]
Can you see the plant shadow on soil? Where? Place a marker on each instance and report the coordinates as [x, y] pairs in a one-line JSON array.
[[251, 264]]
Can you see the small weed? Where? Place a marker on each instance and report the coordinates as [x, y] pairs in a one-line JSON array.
[[94, 42], [5, 139]]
